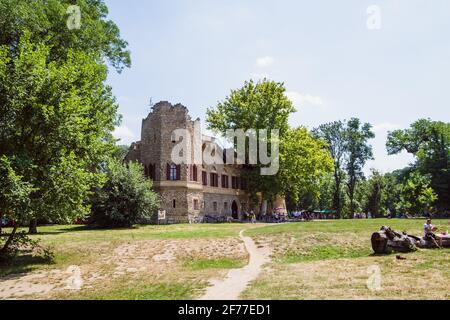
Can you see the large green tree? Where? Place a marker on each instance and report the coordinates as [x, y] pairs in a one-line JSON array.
[[304, 160], [429, 142], [255, 106], [375, 186], [348, 144], [416, 195], [264, 106], [334, 135], [56, 111], [48, 22], [358, 152]]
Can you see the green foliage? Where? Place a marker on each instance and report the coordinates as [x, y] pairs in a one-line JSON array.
[[120, 152], [303, 161], [22, 244], [374, 192], [416, 196], [358, 152], [55, 123], [264, 105], [56, 112], [125, 199], [14, 193], [348, 145], [261, 105], [429, 142], [46, 21]]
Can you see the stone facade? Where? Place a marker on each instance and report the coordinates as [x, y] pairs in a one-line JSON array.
[[187, 191]]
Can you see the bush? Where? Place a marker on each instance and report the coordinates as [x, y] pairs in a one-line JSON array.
[[125, 199]]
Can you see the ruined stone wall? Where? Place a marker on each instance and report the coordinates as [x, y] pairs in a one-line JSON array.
[[155, 148]]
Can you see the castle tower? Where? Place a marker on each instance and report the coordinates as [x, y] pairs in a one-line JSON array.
[[175, 183]]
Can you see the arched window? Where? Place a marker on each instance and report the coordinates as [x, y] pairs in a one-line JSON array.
[[173, 172], [194, 172], [174, 203], [152, 171]]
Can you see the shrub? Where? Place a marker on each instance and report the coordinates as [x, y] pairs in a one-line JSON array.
[[125, 199]]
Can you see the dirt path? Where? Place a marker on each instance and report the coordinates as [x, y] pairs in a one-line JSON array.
[[237, 280]]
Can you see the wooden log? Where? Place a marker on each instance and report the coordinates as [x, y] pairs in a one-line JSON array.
[[387, 240]]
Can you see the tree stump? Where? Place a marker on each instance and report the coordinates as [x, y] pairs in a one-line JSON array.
[[387, 240]]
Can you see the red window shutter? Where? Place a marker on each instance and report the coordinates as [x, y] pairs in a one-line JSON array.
[[178, 172], [168, 172]]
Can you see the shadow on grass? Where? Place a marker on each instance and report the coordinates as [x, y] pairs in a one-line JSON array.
[[22, 264], [69, 229], [87, 227]]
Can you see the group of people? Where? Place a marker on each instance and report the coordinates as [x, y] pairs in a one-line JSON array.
[[249, 216], [362, 215], [310, 215]]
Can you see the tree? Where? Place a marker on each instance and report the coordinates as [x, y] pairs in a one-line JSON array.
[[56, 112], [14, 199], [333, 134], [261, 105], [304, 160], [392, 190], [325, 187], [46, 21], [125, 199], [375, 188], [416, 196], [358, 152], [348, 145], [264, 105], [429, 142]]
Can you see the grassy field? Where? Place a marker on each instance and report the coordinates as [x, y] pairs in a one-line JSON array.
[[333, 260], [310, 260]]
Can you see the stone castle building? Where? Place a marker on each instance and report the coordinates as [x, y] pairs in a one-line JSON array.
[[187, 191]]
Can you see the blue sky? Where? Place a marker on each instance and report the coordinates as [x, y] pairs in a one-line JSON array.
[[334, 67]]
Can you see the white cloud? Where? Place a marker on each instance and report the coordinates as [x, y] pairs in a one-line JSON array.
[[298, 98], [124, 134], [265, 61]]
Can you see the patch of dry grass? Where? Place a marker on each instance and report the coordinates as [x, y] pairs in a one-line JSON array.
[[331, 260]]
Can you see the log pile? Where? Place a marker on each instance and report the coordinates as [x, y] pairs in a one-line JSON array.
[[387, 241]]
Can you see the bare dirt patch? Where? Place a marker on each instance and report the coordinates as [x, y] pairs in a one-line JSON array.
[[116, 261], [237, 280]]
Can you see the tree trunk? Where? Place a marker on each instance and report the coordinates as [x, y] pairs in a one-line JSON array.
[[337, 199], [387, 240], [32, 229], [4, 250]]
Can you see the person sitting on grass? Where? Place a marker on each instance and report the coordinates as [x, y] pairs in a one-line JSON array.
[[429, 229]]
